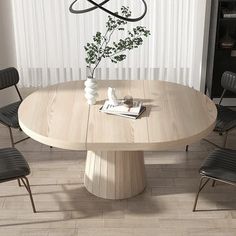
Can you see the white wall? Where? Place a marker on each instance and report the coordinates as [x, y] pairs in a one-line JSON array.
[[7, 48]]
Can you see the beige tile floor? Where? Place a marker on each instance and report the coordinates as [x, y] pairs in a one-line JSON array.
[[165, 208]]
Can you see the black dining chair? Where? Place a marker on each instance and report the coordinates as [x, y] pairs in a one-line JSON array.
[[13, 166], [220, 166], [226, 117], [9, 114]]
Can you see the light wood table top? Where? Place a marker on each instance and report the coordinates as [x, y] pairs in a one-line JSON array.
[[59, 116]]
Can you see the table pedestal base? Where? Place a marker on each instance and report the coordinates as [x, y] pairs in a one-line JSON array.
[[115, 174]]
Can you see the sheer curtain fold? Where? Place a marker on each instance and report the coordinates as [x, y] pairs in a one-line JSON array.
[[50, 42]]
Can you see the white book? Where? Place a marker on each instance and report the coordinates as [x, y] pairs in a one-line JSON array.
[[125, 115], [121, 108]]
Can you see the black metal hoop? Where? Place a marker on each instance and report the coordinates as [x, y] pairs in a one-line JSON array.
[[100, 5], [85, 10]]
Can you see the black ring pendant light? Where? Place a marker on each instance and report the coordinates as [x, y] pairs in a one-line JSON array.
[[100, 5]]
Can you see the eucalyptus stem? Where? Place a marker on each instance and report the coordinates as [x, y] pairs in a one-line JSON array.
[[101, 47], [100, 58]]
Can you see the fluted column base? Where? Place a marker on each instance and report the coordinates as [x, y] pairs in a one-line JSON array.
[[115, 174]]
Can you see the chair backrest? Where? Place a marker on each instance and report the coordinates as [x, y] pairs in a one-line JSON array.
[[228, 81], [8, 77]]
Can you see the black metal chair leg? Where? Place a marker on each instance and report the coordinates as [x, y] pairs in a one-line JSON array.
[[19, 182], [11, 136], [201, 186], [213, 183], [225, 140], [208, 141], [21, 140], [186, 148], [27, 186], [12, 140]]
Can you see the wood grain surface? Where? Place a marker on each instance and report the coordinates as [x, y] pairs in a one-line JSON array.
[[56, 116], [115, 175], [59, 116]]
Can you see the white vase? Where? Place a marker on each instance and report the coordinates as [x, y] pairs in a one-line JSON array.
[[91, 90]]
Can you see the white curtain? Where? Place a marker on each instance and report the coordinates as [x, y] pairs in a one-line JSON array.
[[50, 41]]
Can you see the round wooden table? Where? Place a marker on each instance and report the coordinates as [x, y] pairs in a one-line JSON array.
[[59, 116]]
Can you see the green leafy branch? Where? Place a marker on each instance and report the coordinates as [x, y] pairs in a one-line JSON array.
[[101, 47]]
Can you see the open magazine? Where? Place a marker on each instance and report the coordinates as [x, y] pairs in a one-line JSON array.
[[121, 110]]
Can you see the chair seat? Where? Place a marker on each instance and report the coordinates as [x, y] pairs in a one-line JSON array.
[[220, 164], [226, 119], [12, 164], [9, 115]]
